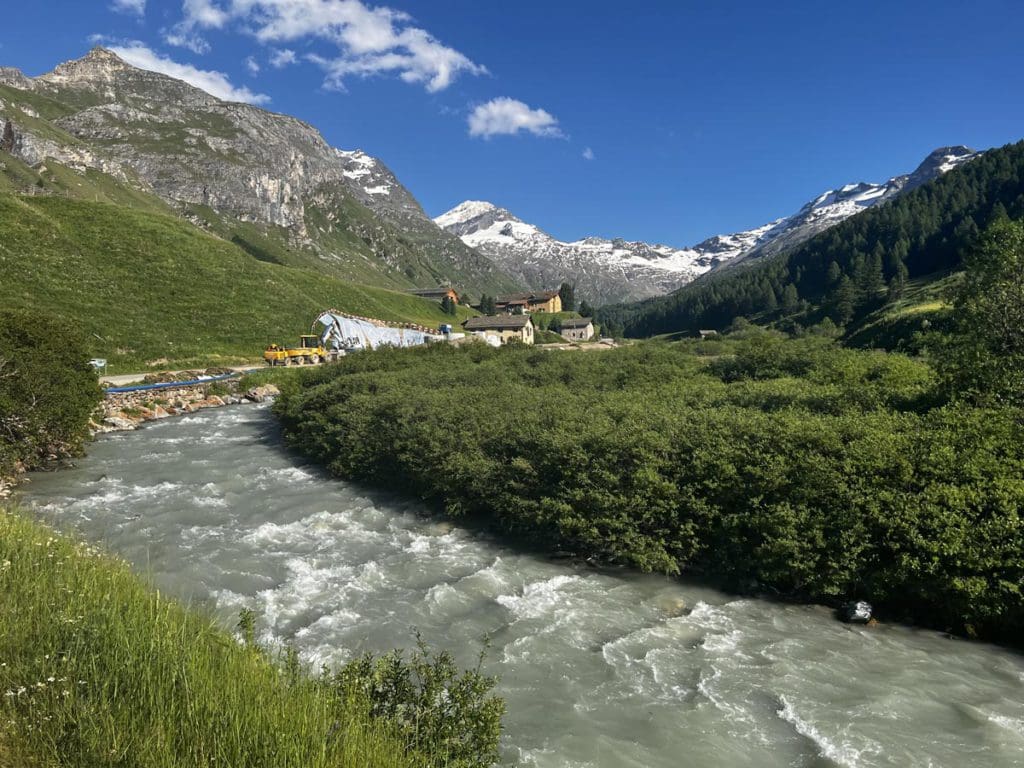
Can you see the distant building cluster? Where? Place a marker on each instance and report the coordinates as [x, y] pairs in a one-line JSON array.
[[508, 317]]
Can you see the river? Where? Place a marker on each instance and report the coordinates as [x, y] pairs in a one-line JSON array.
[[600, 669]]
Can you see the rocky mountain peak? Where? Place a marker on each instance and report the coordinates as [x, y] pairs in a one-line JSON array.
[[98, 64], [14, 77], [239, 163], [938, 162], [478, 215]]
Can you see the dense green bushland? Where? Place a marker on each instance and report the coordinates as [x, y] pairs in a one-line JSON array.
[[854, 268], [145, 286], [47, 390], [815, 470], [97, 669]]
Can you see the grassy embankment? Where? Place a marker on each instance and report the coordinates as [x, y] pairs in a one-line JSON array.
[[97, 669], [146, 286], [819, 472]]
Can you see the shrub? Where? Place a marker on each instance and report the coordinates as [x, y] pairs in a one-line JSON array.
[[815, 470], [47, 390]]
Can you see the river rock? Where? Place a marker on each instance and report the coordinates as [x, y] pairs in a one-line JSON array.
[[120, 422], [263, 393], [856, 612]]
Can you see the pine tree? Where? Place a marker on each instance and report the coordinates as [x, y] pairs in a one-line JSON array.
[[487, 305], [790, 298], [845, 303], [568, 294], [835, 274], [585, 309], [898, 284]]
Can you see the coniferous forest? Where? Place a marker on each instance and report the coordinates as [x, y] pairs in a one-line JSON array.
[[853, 268]]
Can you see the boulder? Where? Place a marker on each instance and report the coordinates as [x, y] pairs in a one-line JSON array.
[[120, 422], [263, 394], [856, 612]]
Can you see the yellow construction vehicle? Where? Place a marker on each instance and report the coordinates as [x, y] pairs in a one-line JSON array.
[[309, 352]]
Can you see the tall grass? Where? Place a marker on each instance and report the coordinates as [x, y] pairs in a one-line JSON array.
[[97, 669]]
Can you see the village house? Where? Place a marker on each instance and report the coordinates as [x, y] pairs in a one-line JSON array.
[[436, 294], [539, 301], [577, 329], [504, 327]]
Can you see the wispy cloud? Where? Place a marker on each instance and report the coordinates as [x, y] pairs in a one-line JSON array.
[[505, 116], [588, 154], [282, 58], [252, 65], [136, 7], [368, 41], [215, 83]]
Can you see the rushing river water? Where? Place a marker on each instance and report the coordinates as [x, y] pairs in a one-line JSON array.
[[602, 669]]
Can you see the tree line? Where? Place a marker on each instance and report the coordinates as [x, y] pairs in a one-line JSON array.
[[855, 266]]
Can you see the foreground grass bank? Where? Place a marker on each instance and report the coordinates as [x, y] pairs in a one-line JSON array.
[[97, 669], [821, 472]]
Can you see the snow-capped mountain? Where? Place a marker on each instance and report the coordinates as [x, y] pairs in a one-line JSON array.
[[607, 271], [604, 271], [836, 205]]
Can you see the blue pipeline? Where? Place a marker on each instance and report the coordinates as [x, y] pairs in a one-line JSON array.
[[169, 384]]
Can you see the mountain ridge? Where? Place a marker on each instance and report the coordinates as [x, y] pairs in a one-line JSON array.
[[609, 270], [228, 165]]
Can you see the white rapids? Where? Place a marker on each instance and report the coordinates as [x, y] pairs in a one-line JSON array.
[[600, 669]]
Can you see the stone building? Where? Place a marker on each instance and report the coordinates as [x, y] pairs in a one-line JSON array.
[[577, 329], [538, 301], [504, 327]]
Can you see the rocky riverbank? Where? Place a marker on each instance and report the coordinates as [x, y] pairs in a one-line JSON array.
[[128, 410]]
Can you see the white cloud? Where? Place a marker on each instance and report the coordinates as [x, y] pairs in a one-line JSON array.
[[504, 116], [588, 154], [252, 65], [137, 7], [184, 39], [369, 41], [282, 58], [214, 83], [198, 13]]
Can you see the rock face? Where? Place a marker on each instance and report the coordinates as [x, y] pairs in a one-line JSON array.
[[608, 271], [235, 163]]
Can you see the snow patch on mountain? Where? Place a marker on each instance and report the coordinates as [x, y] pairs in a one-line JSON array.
[[611, 270]]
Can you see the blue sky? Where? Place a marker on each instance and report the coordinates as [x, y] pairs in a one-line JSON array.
[[659, 121]]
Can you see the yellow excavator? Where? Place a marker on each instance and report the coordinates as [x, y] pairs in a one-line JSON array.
[[309, 352]]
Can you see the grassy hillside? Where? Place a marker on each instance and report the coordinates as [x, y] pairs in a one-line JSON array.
[[924, 306], [145, 286], [196, 143]]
